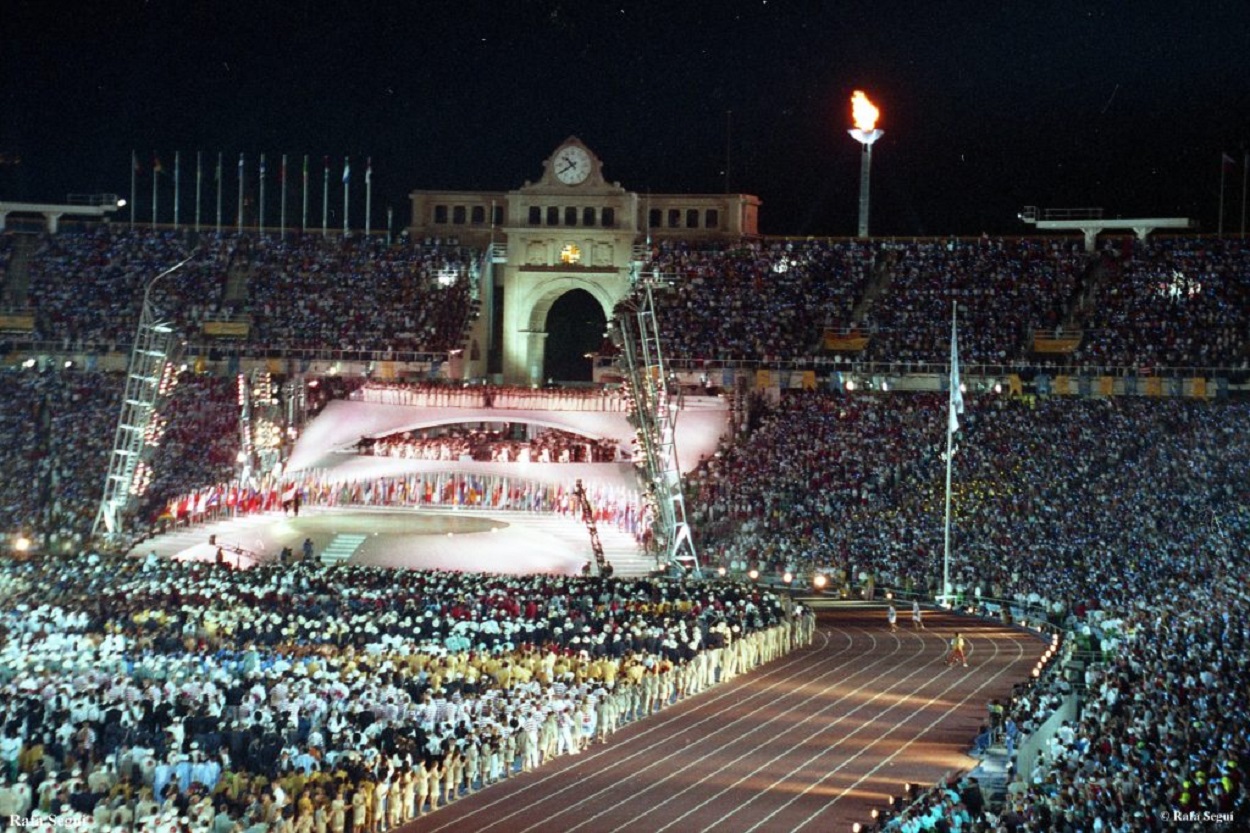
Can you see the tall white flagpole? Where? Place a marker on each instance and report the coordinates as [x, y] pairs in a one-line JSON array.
[[956, 407], [156, 175], [368, 192], [239, 214], [199, 184], [304, 224], [177, 177], [134, 184], [260, 218], [325, 194], [347, 176], [219, 192]]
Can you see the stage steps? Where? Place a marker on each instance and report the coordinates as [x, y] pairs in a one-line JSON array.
[[342, 547]]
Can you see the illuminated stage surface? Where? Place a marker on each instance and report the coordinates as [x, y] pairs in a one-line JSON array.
[[427, 539]]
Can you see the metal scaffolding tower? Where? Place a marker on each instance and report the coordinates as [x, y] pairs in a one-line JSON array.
[[149, 354], [654, 417]]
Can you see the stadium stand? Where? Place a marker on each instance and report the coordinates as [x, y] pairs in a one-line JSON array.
[[1123, 519]]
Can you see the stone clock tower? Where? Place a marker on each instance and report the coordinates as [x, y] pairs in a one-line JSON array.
[[570, 230]]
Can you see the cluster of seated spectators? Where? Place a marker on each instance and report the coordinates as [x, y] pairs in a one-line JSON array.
[[460, 443], [756, 300], [1122, 518], [1170, 302], [144, 694], [85, 290], [56, 432]]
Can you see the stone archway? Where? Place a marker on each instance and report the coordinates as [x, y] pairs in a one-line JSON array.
[[575, 327], [528, 302]]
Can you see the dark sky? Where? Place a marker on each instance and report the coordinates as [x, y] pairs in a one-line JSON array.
[[986, 106]]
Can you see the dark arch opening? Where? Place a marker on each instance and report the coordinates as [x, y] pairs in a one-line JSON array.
[[575, 326]]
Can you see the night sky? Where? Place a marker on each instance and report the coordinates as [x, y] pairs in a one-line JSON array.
[[986, 106]]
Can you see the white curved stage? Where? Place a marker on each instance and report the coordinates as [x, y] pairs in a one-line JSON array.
[[408, 538], [343, 423]]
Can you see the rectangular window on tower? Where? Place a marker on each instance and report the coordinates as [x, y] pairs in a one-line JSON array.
[[457, 215], [608, 217], [711, 218], [570, 216], [478, 215], [588, 216], [674, 218], [440, 215], [692, 218], [536, 216], [553, 215]]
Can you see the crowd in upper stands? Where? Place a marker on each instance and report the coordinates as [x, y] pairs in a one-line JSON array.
[[1167, 302], [85, 290]]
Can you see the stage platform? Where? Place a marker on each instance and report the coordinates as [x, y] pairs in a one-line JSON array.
[[409, 538]]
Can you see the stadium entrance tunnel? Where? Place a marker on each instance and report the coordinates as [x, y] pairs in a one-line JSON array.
[[575, 326]]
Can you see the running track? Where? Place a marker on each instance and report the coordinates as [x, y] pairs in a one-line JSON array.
[[810, 742]]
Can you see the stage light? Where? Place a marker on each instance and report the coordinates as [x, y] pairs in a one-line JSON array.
[[819, 582], [856, 827], [22, 544], [720, 571], [787, 577], [753, 574]]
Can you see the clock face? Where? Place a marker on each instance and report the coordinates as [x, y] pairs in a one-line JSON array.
[[572, 164]]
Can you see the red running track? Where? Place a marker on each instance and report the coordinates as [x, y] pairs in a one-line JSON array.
[[810, 742]]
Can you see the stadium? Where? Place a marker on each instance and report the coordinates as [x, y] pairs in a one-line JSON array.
[[511, 496], [219, 469]]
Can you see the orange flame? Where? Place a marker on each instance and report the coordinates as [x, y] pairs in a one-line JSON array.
[[863, 111]]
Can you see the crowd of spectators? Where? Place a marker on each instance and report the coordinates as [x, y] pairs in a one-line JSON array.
[[1169, 302], [756, 300], [1125, 519], [313, 292], [299, 292], [1005, 289], [57, 429], [143, 693]]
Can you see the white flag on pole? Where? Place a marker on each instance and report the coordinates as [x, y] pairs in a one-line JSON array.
[[957, 394]]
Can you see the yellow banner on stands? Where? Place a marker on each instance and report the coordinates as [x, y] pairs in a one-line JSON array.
[[1152, 386], [1061, 343], [763, 379], [17, 323], [226, 329], [848, 342], [1106, 386], [1198, 387], [1014, 386]]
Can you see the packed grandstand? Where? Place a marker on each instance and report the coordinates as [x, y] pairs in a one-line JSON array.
[[143, 689]]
